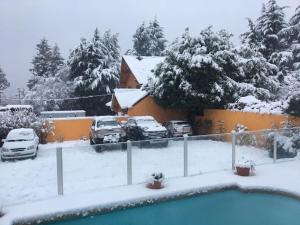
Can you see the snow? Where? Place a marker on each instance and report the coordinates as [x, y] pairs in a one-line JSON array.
[[128, 97], [22, 133], [85, 170], [143, 69], [282, 177], [63, 112]]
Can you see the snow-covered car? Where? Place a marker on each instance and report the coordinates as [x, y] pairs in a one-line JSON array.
[[178, 128], [20, 143], [105, 129], [146, 128]]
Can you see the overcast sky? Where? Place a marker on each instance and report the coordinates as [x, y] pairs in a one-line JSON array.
[[24, 22]]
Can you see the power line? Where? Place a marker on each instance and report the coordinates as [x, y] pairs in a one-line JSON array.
[[58, 99]]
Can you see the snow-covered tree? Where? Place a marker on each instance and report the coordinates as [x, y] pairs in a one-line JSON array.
[[57, 61], [197, 72], [3, 81], [149, 40], [41, 63], [48, 92], [263, 34], [94, 68]]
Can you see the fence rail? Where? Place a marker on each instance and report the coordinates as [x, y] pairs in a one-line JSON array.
[[241, 143]]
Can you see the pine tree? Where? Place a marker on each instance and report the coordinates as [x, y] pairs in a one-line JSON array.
[[269, 24], [41, 62], [3, 81], [141, 40], [57, 60], [149, 40], [94, 68]]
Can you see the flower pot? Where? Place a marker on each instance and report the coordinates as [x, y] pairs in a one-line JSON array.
[[155, 185], [243, 171]]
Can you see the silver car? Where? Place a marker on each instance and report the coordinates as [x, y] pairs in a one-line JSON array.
[[178, 128], [20, 143]]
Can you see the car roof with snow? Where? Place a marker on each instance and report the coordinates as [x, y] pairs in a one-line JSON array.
[[105, 118], [142, 117], [21, 133]]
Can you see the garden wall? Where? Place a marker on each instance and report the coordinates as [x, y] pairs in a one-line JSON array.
[[224, 121], [68, 129]]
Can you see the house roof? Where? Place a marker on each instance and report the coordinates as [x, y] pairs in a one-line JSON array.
[[128, 97], [142, 68]]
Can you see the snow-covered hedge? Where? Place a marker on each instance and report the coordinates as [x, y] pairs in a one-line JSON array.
[[22, 119]]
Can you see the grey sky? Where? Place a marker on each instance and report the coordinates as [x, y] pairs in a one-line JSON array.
[[24, 22]]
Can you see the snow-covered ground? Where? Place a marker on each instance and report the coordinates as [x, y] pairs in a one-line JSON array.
[[284, 177], [84, 169]]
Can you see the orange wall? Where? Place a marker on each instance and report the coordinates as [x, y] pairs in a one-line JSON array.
[[147, 106], [253, 121], [70, 129]]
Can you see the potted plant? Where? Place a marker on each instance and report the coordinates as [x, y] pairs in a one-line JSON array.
[[155, 181], [245, 168]]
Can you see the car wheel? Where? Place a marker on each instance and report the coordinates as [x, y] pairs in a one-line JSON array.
[[165, 144], [33, 157], [91, 141], [2, 160], [124, 146]]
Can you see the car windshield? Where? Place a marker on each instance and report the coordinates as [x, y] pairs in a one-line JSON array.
[[146, 121], [111, 123], [20, 136], [180, 123]]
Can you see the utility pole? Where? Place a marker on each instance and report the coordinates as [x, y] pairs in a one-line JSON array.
[[19, 94]]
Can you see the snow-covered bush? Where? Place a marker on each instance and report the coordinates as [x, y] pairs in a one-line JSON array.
[[294, 105], [288, 143], [244, 138], [22, 119]]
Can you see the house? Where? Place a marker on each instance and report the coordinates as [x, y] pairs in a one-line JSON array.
[[130, 99]]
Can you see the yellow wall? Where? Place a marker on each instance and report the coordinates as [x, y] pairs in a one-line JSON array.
[[147, 106], [253, 121]]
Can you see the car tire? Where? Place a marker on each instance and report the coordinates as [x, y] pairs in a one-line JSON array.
[[35, 155], [2, 160], [91, 141], [165, 144], [124, 146]]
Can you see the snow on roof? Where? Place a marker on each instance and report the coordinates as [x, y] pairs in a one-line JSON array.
[[143, 68], [127, 97]]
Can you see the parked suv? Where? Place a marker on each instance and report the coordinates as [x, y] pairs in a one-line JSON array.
[[146, 128], [178, 128], [105, 129]]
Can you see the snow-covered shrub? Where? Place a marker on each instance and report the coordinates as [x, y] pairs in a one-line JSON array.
[[244, 138], [22, 119], [288, 143], [294, 105]]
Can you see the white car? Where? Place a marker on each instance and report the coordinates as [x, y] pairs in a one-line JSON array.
[[20, 143]]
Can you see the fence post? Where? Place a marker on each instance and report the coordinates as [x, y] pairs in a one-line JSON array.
[[185, 155], [275, 147], [59, 164], [233, 150], [129, 163]]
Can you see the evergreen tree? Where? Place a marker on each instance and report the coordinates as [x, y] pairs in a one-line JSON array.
[[269, 24], [41, 62], [141, 40], [57, 60], [149, 40], [196, 73], [3, 81], [94, 68]]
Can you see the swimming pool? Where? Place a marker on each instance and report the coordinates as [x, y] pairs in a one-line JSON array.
[[230, 207]]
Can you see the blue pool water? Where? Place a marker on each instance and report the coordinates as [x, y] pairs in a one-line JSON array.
[[221, 208]]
